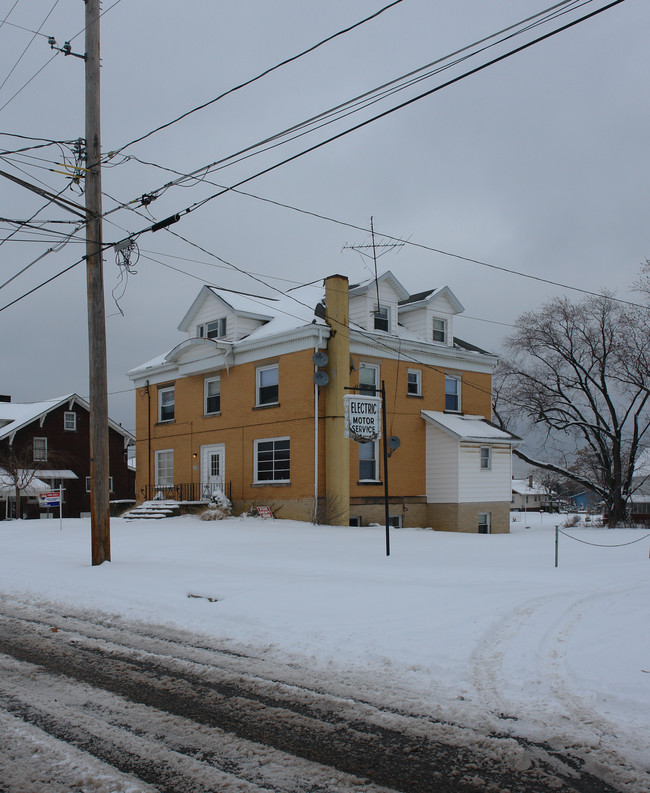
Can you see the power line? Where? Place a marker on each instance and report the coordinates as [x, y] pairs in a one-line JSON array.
[[193, 207], [56, 2], [261, 75], [44, 283], [56, 53], [370, 97]]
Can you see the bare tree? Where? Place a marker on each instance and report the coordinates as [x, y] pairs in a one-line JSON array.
[[581, 372], [18, 468], [18, 465]]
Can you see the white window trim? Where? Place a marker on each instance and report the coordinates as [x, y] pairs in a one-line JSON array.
[[445, 330], [487, 522], [381, 307], [256, 443], [258, 386], [418, 382], [70, 415], [365, 459], [459, 381], [375, 368], [157, 454], [43, 458], [487, 467], [202, 330], [206, 382], [110, 484], [162, 391]]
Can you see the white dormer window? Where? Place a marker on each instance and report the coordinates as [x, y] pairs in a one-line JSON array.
[[440, 330], [381, 318], [212, 330]]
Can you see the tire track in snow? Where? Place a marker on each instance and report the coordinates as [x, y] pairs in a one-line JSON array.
[[590, 738], [225, 698]]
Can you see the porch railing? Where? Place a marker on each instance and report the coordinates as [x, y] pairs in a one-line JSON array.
[[185, 491]]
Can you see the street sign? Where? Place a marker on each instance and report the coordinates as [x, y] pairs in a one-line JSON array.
[[362, 417]]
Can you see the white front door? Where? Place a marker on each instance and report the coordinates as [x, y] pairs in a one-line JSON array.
[[212, 468]]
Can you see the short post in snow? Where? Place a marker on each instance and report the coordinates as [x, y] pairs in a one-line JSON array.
[[557, 543]]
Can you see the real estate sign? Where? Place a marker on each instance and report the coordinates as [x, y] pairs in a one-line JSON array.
[[362, 417], [50, 499]]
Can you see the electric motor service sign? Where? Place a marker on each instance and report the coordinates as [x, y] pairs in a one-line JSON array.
[[362, 417]]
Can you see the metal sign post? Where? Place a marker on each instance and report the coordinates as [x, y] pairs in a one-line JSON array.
[[363, 424]]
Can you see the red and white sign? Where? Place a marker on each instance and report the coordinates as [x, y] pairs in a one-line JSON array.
[[51, 498], [264, 512]]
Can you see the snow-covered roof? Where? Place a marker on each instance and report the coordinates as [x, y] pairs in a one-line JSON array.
[[16, 415], [422, 299], [57, 473], [523, 488], [288, 313], [469, 428], [33, 488], [400, 291]]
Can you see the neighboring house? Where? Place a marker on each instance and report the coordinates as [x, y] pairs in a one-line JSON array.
[[248, 403], [527, 495], [52, 438]]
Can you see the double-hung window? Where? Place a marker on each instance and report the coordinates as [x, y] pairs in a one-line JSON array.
[[70, 421], [368, 378], [212, 395], [272, 460], [166, 404], [267, 385], [110, 484], [381, 317], [213, 330], [452, 393], [486, 458], [439, 330], [165, 468], [484, 523], [40, 449], [368, 461], [414, 382]]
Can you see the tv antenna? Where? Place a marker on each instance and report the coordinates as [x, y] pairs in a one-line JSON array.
[[374, 251]]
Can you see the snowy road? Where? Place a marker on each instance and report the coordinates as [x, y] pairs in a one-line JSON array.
[[92, 703]]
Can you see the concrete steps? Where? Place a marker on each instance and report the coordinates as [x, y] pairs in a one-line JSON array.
[[153, 510]]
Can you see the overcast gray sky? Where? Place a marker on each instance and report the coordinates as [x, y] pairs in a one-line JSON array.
[[537, 164]]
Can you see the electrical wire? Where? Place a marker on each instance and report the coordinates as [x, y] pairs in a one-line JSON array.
[[193, 207], [371, 97], [56, 3], [48, 62], [261, 75]]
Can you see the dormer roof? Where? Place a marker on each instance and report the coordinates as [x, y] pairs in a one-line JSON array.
[[224, 299], [422, 299], [388, 278]]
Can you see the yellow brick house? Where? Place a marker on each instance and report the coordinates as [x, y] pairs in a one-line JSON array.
[[251, 402]]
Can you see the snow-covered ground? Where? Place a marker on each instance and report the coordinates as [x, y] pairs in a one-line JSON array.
[[476, 629]]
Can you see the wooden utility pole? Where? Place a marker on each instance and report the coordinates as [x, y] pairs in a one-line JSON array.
[[99, 471]]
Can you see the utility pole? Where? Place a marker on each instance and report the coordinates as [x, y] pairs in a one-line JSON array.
[[99, 471]]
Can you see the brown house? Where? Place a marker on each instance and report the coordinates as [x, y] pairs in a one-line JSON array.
[[50, 442]]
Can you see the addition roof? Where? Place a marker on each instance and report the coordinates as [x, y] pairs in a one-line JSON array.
[[469, 428]]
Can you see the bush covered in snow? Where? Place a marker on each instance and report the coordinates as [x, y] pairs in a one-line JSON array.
[[219, 506]]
